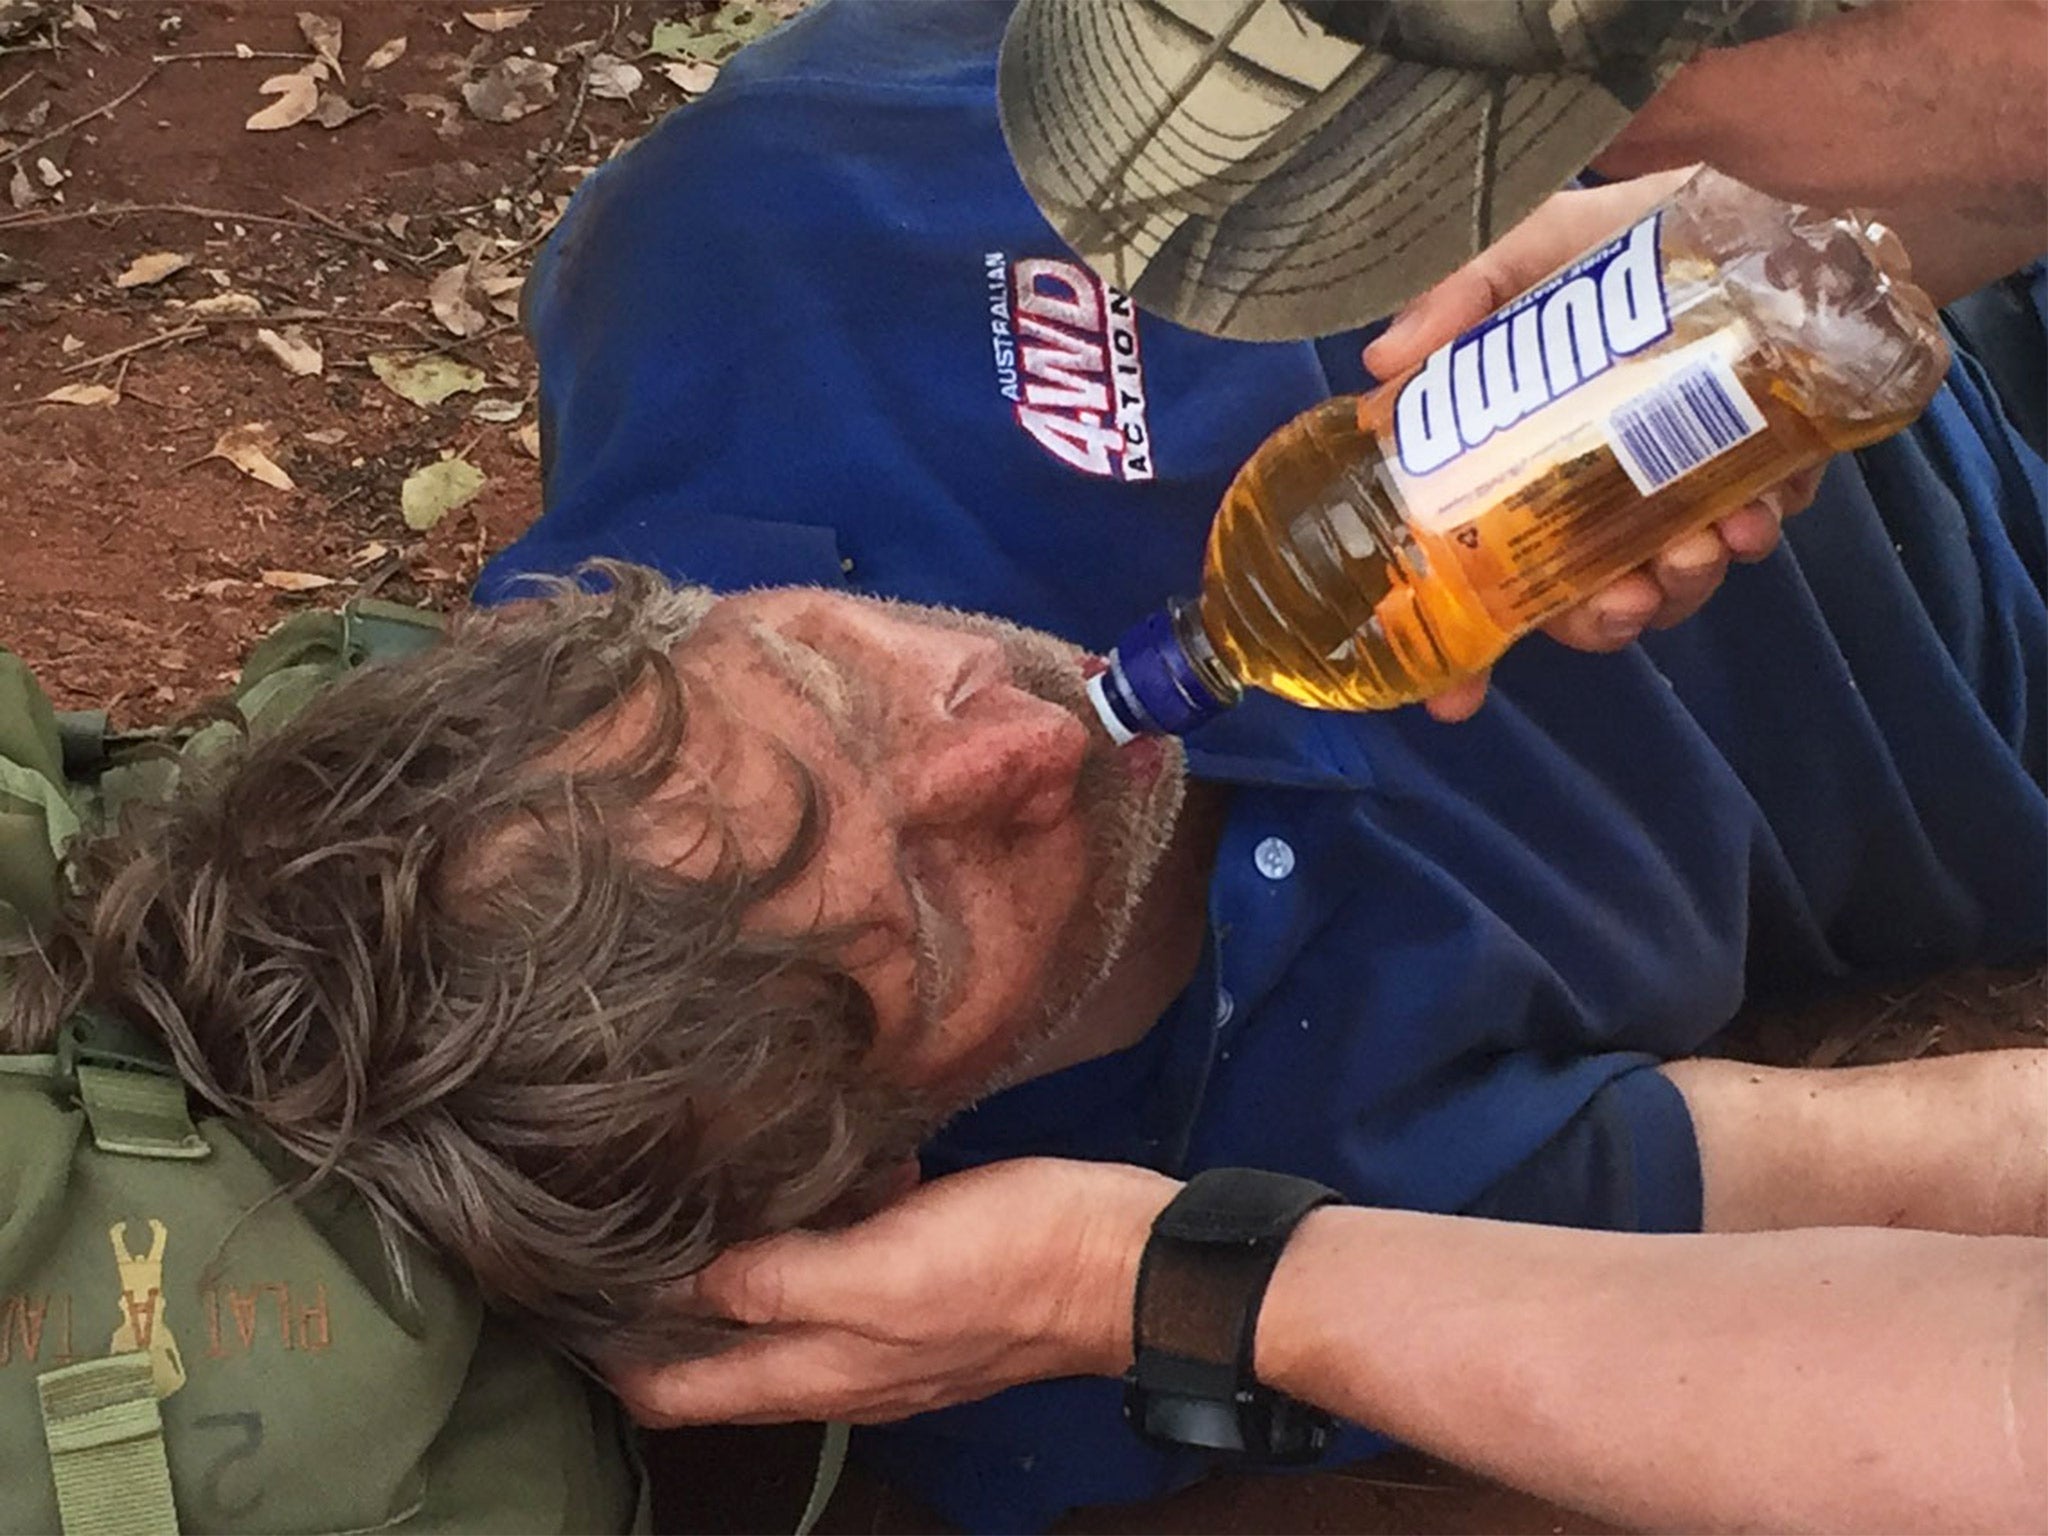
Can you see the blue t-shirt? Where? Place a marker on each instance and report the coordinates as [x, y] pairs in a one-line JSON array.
[[813, 330]]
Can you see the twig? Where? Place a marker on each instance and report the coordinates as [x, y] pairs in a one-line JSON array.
[[385, 569], [307, 317], [560, 145], [436, 345], [476, 437], [161, 339], [122, 210], [547, 228], [342, 500], [13, 155], [24, 80], [336, 227], [1832, 1050], [229, 53]]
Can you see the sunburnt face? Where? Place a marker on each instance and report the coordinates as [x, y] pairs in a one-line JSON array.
[[984, 844]]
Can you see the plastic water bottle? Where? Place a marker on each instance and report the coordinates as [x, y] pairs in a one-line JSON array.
[[1378, 548]]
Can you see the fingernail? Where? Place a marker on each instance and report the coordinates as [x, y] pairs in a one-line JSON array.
[[1618, 626], [1398, 330]]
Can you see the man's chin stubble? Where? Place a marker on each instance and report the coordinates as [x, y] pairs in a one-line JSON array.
[[1128, 843]]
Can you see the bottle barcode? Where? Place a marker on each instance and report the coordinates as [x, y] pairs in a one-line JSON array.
[[1693, 415]]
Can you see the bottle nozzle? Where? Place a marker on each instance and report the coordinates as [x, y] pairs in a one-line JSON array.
[[1151, 685], [1120, 731]]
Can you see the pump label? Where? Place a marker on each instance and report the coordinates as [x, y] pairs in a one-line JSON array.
[[1067, 360], [1542, 347]]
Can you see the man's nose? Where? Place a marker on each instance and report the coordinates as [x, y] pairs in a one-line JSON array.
[[1007, 759]]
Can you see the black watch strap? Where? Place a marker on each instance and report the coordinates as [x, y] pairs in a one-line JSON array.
[[1200, 1284]]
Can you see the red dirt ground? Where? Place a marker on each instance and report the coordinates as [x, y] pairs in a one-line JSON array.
[[131, 566]]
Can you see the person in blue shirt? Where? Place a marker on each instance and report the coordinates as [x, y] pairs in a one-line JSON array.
[[1440, 965], [630, 925]]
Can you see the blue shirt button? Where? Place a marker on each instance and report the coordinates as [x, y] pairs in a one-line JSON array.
[[1274, 858]]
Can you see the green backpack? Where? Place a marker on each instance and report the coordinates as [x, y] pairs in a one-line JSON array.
[[184, 1344]]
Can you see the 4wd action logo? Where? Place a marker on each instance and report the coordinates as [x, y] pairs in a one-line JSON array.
[[1066, 352]]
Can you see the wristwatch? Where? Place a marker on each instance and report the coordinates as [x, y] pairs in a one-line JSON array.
[[1195, 1319]]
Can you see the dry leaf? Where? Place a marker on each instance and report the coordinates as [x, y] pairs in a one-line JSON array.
[[715, 36], [70, 344], [152, 268], [82, 394], [672, 39], [297, 95], [48, 172], [229, 303], [295, 581], [431, 493], [21, 192], [613, 79], [503, 19], [81, 18], [449, 297], [369, 554], [426, 380], [336, 109], [326, 437], [244, 51], [247, 447], [323, 36], [692, 79], [502, 289], [528, 437], [510, 90], [384, 55], [300, 356], [497, 411]]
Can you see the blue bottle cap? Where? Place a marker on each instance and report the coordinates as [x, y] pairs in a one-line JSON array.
[[1151, 686]]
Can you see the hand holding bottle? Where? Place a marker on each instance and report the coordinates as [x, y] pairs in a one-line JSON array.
[[1673, 365], [1674, 584]]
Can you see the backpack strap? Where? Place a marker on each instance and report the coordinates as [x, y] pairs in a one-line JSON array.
[[131, 1093], [825, 1481], [106, 1442]]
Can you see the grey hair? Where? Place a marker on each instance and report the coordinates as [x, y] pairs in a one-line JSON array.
[[579, 1075]]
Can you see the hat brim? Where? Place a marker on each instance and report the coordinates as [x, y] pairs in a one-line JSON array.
[[1256, 185]]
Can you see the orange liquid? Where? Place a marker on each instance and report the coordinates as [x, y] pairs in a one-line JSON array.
[[1318, 589]]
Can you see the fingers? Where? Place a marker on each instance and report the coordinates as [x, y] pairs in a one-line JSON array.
[[1460, 701], [1436, 316], [1687, 572], [1675, 584], [1611, 618], [807, 1277], [776, 1377], [1566, 226], [1751, 532]]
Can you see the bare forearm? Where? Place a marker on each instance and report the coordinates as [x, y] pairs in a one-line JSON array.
[[1949, 1144], [1934, 113], [1838, 1379]]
